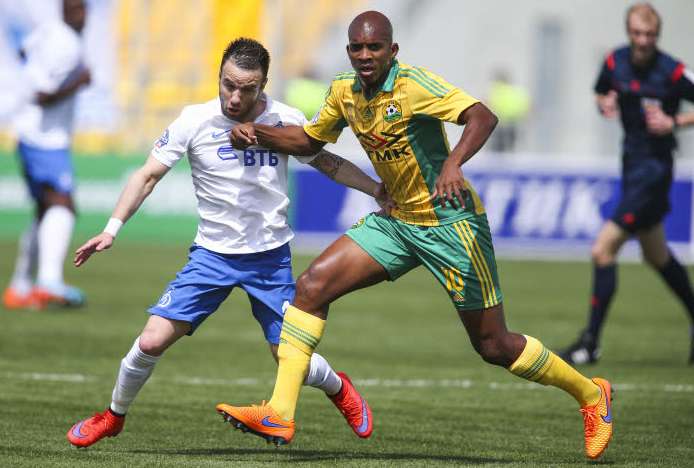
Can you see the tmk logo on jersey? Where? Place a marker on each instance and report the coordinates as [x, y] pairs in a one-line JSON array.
[[163, 140], [381, 149], [250, 157], [392, 112]]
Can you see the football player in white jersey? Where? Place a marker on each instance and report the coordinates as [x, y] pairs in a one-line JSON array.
[[242, 238], [53, 73]]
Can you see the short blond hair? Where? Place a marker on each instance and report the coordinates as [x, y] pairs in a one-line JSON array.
[[645, 11]]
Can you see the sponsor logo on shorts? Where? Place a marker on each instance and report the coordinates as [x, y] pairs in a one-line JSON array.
[[358, 223], [165, 299]]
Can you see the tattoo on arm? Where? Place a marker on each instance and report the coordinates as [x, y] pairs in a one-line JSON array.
[[328, 163]]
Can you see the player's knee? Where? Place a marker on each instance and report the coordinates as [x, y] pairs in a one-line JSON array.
[[152, 344], [53, 198], [601, 256], [310, 287], [493, 349]]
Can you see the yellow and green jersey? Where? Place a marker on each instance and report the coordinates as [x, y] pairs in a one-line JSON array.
[[401, 130]]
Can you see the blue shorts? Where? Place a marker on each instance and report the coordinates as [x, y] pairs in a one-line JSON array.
[[645, 196], [208, 278], [43, 167]]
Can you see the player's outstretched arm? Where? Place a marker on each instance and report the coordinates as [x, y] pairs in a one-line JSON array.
[[138, 187], [479, 123], [346, 173], [287, 140]]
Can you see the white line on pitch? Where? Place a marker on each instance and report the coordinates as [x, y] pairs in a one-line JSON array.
[[390, 383]]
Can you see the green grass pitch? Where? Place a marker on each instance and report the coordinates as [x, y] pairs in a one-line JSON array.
[[434, 401]]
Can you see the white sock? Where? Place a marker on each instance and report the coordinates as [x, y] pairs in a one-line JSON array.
[[321, 375], [26, 260], [55, 231], [135, 369]]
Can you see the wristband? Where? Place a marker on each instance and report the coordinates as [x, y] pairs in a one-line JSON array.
[[113, 226]]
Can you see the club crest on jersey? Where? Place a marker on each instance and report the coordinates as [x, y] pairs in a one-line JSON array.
[[392, 112], [165, 299], [163, 140]]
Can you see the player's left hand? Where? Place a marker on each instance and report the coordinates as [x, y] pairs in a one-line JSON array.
[[450, 186], [383, 198], [658, 122]]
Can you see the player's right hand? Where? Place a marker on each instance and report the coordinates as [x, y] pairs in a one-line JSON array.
[[384, 200], [242, 136], [607, 104], [96, 244]]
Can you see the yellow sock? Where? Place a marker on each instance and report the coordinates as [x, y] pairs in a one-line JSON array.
[[539, 364], [300, 335]]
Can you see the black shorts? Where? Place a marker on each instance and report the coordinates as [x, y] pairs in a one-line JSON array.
[[645, 197]]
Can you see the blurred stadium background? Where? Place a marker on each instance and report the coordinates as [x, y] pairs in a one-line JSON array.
[[149, 58], [545, 199]]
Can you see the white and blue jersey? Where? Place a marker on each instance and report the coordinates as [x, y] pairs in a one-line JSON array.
[[242, 194], [53, 58], [243, 232]]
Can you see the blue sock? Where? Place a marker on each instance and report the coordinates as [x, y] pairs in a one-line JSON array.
[[677, 278], [604, 286]]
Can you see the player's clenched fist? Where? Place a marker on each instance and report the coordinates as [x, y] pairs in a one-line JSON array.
[[96, 244], [607, 103], [242, 136]]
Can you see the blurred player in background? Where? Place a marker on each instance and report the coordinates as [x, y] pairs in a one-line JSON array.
[[643, 86], [397, 113], [54, 72], [242, 239]]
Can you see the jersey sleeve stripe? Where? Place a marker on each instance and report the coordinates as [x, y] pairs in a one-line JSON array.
[[427, 79], [677, 72], [344, 76], [435, 81], [421, 83]]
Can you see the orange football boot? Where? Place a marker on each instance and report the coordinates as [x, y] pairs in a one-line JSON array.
[[68, 296], [13, 300], [259, 420], [597, 421], [92, 430], [353, 407]]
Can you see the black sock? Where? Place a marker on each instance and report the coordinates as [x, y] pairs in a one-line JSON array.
[[604, 286], [114, 413], [677, 278]]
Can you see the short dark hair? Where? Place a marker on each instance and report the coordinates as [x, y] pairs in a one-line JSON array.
[[248, 54]]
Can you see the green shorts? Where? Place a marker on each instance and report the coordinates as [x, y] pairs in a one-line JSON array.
[[460, 255]]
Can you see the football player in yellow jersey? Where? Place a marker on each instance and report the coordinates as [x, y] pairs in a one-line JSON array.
[[397, 112]]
